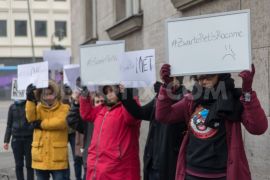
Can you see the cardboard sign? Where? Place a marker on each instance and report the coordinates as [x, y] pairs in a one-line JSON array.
[[36, 73], [99, 63], [209, 44], [57, 58], [15, 93], [137, 68], [71, 74]]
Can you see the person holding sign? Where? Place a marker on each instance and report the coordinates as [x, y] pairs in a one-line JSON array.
[[83, 129], [49, 147], [22, 136], [213, 146], [114, 150], [163, 140]]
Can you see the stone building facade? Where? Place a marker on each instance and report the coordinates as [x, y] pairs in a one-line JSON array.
[[141, 23]]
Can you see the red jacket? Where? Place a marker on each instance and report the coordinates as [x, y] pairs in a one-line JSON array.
[[253, 119], [114, 150]]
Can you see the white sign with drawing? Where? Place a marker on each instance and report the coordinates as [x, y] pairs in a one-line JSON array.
[[15, 93], [209, 44], [57, 58], [36, 73], [71, 74], [137, 68], [99, 63]]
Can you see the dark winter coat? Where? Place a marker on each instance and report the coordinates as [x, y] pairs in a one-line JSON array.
[[17, 124], [163, 140], [75, 121]]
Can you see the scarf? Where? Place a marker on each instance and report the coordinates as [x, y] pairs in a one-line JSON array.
[[223, 101]]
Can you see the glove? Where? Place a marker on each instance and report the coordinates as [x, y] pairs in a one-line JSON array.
[[247, 77], [30, 96], [36, 124], [165, 73], [157, 86], [67, 89], [84, 92]]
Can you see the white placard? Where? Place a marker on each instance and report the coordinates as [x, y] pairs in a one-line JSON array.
[[209, 44], [15, 93], [137, 68], [104, 42], [99, 63], [71, 74], [56, 58], [36, 73]]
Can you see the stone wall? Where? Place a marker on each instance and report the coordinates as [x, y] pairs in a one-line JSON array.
[[152, 35]]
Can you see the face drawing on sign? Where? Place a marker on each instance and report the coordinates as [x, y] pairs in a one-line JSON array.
[[229, 53], [144, 64]]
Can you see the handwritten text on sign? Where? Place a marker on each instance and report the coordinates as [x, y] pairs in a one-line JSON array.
[[99, 63], [15, 93], [36, 73], [137, 68], [209, 44]]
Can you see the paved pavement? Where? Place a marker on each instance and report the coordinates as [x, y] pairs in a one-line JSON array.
[[6, 157]]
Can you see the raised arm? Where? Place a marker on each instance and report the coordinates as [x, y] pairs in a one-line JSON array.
[[168, 111], [87, 111], [31, 111], [31, 105], [253, 116], [137, 111]]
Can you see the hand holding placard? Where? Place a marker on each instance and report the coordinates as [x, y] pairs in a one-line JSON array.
[[30, 95]]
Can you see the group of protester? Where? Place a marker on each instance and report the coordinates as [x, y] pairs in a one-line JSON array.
[[193, 135]]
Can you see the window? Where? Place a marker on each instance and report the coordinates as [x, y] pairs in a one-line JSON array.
[[41, 28], [120, 9], [128, 18], [20, 28], [91, 19], [126, 8], [60, 29], [3, 28]]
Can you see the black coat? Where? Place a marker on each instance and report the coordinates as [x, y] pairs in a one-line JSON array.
[[163, 140], [75, 121], [17, 125]]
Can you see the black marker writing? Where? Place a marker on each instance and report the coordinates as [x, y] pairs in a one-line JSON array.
[[144, 64], [204, 38]]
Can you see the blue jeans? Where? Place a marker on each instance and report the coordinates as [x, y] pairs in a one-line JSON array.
[[21, 147], [56, 174], [78, 162]]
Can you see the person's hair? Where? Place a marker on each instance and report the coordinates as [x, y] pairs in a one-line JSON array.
[[53, 86], [106, 87], [95, 95]]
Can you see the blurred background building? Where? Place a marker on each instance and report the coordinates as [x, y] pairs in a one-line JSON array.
[[50, 28]]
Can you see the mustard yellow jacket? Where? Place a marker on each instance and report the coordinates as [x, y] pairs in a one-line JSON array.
[[49, 147]]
